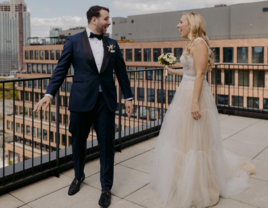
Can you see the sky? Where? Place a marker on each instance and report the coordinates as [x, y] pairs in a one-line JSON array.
[[70, 13]]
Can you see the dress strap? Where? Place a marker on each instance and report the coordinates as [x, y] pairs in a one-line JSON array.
[[199, 38]]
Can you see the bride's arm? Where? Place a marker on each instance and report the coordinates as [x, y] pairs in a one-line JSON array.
[[200, 57], [174, 71]]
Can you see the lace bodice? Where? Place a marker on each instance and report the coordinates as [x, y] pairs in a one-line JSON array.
[[188, 62]]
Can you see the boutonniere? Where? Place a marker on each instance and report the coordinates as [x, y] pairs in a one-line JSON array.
[[110, 48]]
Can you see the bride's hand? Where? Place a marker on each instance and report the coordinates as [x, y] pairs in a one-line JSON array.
[[168, 70], [195, 111]]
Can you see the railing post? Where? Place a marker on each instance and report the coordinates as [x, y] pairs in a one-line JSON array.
[[162, 95], [58, 134], [216, 84], [119, 122]]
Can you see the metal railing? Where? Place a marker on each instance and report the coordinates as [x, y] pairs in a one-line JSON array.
[[36, 146]]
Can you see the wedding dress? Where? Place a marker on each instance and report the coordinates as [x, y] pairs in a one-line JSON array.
[[190, 167]]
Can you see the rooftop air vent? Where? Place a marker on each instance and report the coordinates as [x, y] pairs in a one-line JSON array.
[[220, 5]]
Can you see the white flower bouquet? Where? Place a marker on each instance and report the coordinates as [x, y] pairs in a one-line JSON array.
[[167, 60]]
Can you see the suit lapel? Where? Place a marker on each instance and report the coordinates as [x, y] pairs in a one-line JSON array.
[[106, 56], [88, 52]]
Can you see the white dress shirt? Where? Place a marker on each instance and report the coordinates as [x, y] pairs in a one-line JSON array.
[[98, 54]]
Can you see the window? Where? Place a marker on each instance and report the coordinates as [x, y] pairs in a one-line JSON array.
[[265, 9], [30, 112], [143, 112], [31, 55], [30, 84], [38, 133], [69, 86], [16, 110], [70, 141], [150, 95], [243, 77], [237, 101], [265, 103], [28, 130], [53, 117], [39, 84], [216, 74], [167, 50], [216, 52], [128, 54], [52, 54], [228, 55], [257, 54], [46, 54], [122, 51], [27, 96], [26, 54], [113, 23], [134, 114], [51, 136], [37, 145], [133, 92], [72, 70], [49, 68], [41, 55], [258, 78], [149, 74], [44, 68], [223, 99], [171, 94], [35, 84], [63, 140], [140, 74], [140, 94], [36, 115], [65, 101], [34, 131], [131, 75], [169, 78], [178, 53], [137, 54], [8, 125], [253, 102], [34, 68], [158, 75], [38, 68], [229, 77], [17, 127], [132, 21], [36, 55], [54, 67], [65, 119], [45, 84], [147, 54], [21, 110], [36, 97], [28, 68], [57, 54], [63, 86], [157, 53], [159, 96], [152, 114], [45, 134], [159, 113], [242, 55], [60, 118]]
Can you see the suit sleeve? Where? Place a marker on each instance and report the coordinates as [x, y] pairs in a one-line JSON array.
[[62, 68], [121, 73]]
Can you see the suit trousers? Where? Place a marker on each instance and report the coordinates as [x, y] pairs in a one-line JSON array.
[[104, 125]]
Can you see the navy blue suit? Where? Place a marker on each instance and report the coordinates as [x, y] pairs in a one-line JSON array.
[[89, 106]]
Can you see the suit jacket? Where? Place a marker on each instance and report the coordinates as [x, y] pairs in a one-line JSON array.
[[86, 81]]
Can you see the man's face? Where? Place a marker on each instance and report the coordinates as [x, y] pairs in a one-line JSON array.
[[103, 22]]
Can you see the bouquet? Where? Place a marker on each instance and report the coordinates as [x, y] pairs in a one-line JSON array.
[[167, 60]]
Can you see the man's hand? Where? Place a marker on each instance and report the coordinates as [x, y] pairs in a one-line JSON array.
[[129, 108], [44, 101]]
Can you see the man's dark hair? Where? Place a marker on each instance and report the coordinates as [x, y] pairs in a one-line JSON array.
[[95, 12]]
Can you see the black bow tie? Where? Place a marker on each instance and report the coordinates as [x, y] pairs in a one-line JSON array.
[[92, 35]]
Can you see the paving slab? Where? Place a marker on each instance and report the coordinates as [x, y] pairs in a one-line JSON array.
[[9, 201]]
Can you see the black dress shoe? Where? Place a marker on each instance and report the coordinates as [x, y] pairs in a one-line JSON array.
[[105, 199], [75, 186]]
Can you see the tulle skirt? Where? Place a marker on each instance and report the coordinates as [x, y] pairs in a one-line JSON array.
[[190, 167]]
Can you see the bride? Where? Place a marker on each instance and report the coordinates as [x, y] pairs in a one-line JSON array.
[[190, 167]]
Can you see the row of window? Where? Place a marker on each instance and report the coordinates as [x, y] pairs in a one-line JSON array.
[[63, 118], [252, 102], [45, 68], [43, 54], [243, 77], [228, 54], [146, 54]]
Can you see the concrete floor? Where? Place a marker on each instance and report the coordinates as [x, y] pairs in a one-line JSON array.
[[244, 136]]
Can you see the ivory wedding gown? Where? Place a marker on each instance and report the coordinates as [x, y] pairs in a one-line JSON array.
[[190, 167]]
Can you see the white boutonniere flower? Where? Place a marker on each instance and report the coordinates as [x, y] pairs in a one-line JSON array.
[[110, 48]]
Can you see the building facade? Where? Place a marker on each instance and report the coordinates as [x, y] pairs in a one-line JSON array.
[[14, 31]]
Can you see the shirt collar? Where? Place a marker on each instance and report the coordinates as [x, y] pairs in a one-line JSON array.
[[89, 31]]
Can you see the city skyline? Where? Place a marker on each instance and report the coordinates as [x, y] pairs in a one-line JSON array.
[[66, 15]]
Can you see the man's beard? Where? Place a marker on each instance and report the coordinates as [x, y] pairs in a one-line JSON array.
[[101, 30]]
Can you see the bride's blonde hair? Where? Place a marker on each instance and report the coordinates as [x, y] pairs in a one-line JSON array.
[[198, 29]]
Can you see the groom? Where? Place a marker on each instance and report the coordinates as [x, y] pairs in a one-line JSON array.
[[93, 95]]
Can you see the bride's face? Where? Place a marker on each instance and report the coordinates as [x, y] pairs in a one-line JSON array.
[[184, 27]]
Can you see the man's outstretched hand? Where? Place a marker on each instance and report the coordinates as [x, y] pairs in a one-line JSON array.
[[129, 108], [44, 101]]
